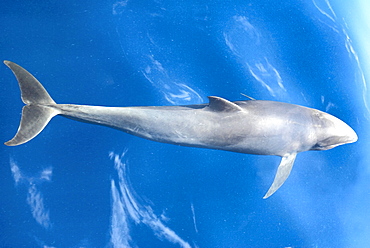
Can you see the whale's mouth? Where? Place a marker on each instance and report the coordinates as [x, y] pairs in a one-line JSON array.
[[332, 142], [319, 147]]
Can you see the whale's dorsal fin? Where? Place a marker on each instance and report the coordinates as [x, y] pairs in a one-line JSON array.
[[282, 173], [220, 104]]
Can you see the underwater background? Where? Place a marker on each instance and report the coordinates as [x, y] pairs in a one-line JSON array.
[[81, 185]]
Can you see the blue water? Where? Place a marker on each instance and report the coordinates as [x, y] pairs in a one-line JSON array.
[[80, 185]]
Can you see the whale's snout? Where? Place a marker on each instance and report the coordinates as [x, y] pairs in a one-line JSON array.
[[343, 131], [351, 135], [333, 132]]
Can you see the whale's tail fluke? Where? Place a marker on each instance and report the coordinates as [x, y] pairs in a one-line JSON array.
[[39, 106]]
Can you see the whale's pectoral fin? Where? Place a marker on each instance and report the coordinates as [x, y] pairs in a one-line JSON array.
[[282, 173]]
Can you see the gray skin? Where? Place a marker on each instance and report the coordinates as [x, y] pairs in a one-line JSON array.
[[253, 127]]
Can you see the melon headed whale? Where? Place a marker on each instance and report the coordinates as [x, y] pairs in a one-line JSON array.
[[252, 126]]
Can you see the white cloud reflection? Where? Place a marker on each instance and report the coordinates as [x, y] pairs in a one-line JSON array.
[[248, 44], [127, 208], [360, 34], [265, 73], [34, 196], [174, 90], [36, 202], [194, 220]]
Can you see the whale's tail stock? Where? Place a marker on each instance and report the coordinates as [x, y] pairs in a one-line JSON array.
[[38, 110]]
